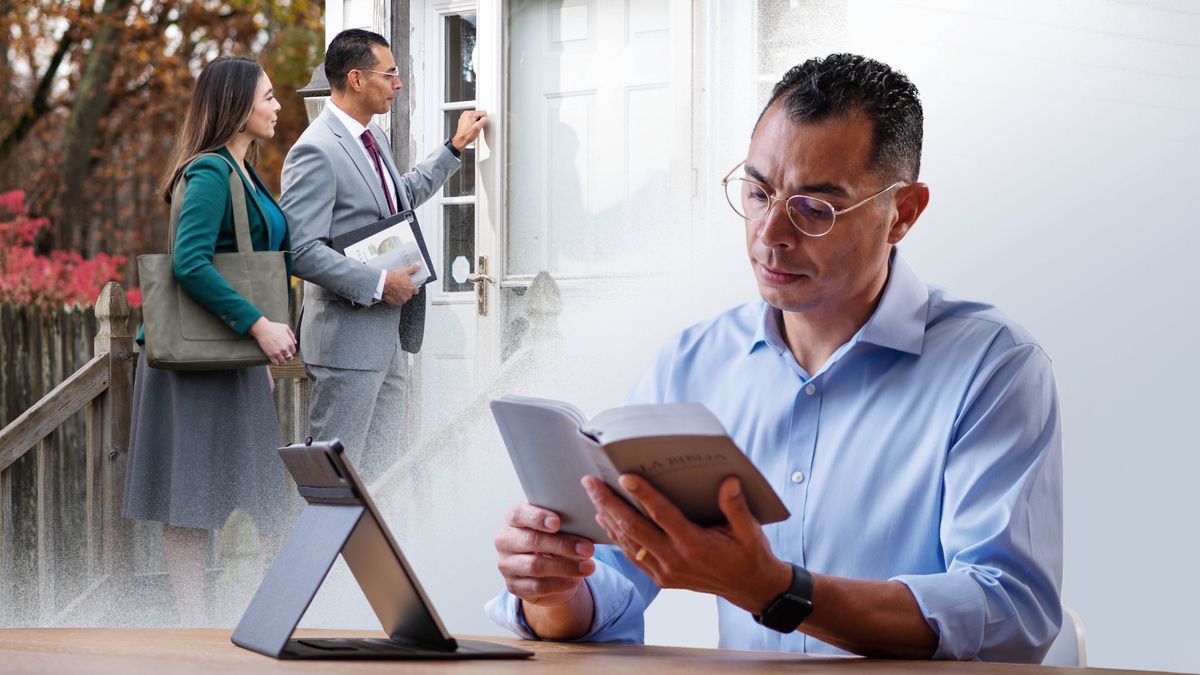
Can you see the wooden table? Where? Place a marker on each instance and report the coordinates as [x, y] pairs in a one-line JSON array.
[[205, 650]]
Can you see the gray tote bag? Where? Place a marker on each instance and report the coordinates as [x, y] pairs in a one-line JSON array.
[[180, 333]]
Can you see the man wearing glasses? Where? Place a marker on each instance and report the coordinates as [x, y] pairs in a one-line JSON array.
[[914, 436], [359, 322]]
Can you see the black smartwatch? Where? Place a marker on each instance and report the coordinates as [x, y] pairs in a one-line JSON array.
[[792, 606], [450, 146]]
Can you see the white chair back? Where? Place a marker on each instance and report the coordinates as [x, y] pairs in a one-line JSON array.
[[1069, 648]]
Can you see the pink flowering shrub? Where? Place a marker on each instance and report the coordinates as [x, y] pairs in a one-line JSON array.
[[62, 278]]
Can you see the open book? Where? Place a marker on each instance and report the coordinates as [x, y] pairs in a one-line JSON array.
[[680, 448]]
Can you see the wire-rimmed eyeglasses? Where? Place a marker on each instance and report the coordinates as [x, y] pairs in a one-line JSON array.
[[813, 216], [394, 74]]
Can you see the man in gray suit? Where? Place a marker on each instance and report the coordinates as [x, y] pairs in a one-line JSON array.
[[358, 321]]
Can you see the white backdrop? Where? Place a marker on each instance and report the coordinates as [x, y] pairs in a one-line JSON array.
[[1061, 142]]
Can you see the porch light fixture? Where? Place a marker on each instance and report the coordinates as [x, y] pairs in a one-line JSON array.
[[315, 93]]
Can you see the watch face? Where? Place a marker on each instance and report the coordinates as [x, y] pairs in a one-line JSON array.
[[793, 609], [792, 606]]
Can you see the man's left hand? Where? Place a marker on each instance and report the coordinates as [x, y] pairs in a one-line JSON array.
[[733, 560], [470, 123]]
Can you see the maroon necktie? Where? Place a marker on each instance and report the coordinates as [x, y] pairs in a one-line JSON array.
[[368, 140]]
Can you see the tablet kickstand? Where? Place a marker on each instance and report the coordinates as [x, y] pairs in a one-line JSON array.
[[295, 576]]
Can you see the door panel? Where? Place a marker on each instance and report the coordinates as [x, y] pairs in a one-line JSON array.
[[589, 140]]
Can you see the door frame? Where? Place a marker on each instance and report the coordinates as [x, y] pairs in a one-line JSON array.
[[491, 150], [427, 54]]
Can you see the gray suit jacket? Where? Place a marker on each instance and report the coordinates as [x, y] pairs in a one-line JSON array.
[[329, 187]]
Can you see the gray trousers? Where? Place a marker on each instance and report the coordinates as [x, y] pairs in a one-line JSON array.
[[363, 408]]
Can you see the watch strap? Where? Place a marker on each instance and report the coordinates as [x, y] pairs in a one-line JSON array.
[[790, 608]]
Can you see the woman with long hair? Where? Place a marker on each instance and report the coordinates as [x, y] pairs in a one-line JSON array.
[[203, 442]]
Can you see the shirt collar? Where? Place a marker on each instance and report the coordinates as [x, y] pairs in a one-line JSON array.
[[769, 331], [897, 323], [356, 130], [899, 320]]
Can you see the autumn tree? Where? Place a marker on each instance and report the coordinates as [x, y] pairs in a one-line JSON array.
[[92, 94]]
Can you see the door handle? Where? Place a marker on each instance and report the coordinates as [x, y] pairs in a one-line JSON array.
[[481, 279]]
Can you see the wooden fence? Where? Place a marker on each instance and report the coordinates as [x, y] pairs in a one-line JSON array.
[[65, 418], [62, 460], [36, 347]]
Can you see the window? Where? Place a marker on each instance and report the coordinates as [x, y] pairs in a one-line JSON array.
[[458, 195]]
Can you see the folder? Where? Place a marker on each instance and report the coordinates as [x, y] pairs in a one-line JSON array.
[[389, 243]]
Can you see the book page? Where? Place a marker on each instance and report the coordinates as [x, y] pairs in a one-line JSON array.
[[551, 456], [665, 419], [563, 407]]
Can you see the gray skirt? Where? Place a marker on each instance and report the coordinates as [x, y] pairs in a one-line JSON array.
[[202, 444]]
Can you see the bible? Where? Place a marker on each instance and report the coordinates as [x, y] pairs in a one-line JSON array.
[[680, 448]]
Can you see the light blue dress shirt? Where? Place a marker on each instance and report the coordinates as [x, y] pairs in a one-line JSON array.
[[927, 450]]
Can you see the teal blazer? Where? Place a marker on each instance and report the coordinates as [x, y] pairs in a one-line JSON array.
[[206, 227]]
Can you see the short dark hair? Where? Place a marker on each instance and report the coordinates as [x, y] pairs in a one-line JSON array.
[[348, 50], [846, 84]]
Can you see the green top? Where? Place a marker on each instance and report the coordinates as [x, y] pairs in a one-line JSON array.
[[206, 227]]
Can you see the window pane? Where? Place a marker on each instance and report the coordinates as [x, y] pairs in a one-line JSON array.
[[458, 247], [460, 68], [462, 183]]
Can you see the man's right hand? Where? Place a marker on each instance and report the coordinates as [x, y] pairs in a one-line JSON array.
[[399, 288], [470, 123], [545, 569]]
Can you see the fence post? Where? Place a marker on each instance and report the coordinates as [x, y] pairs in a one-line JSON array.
[[114, 338], [8, 579], [47, 525]]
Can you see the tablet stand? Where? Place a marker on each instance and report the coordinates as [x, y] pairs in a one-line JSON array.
[[295, 576], [339, 518]]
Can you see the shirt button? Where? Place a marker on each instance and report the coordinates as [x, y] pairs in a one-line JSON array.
[[810, 389], [798, 477]]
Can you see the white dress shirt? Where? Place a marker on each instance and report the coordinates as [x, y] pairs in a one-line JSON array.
[[356, 130]]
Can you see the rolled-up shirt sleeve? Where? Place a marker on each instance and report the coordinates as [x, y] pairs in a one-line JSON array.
[[1001, 528], [620, 594]]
